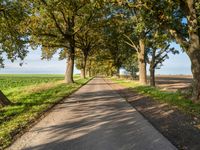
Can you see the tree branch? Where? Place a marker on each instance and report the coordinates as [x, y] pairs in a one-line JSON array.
[[160, 60], [48, 34], [54, 45], [179, 38], [132, 44], [54, 18]]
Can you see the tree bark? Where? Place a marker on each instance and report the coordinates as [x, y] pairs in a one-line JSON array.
[[152, 76], [4, 101], [70, 64], [118, 72], [152, 68], [89, 72], [194, 48], [142, 63], [195, 66], [83, 70], [88, 69]]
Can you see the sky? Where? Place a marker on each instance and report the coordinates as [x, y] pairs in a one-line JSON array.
[[176, 64]]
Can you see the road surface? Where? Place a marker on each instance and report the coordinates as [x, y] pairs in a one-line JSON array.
[[93, 118]]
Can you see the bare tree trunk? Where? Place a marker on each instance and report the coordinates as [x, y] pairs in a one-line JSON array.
[[82, 73], [152, 68], [195, 65], [118, 72], [142, 63], [4, 101], [194, 48], [89, 72], [152, 76], [88, 69], [83, 70], [70, 64]]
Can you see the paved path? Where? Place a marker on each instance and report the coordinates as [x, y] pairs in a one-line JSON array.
[[93, 118]]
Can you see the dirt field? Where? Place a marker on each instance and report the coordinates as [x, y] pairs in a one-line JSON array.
[[173, 82]]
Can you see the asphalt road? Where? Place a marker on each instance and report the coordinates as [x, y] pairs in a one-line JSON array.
[[93, 118]]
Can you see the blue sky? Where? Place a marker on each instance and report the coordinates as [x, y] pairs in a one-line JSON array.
[[176, 64]]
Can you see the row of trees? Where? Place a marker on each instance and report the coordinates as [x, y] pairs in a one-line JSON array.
[[103, 36]]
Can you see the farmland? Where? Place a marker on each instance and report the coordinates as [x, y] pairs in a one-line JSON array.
[[173, 82], [30, 95], [168, 90]]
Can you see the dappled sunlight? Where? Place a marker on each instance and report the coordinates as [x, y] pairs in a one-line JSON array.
[[41, 87], [29, 102], [95, 117], [181, 128]]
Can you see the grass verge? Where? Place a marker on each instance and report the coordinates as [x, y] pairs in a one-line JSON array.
[[173, 98], [30, 102]]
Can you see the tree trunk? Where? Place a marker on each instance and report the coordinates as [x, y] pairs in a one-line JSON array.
[[82, 73], [152, 76], [142, 63], [194, 48], [70, 64], [152, 68], [88, 69], [4, 101], [89, 72], [83, 70], [118, 72], [195, 65], [133, 74]]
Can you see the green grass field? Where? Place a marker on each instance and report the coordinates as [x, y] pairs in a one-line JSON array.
[[31, 95]]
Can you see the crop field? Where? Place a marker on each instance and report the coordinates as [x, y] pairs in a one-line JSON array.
[[171, 83], [30, 95], [167, 90]]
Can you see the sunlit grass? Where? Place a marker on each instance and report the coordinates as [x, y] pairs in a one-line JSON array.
[[173, 98], [30, 99]]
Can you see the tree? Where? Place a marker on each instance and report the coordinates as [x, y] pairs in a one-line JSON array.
[[131, 65], [158, 48], [114, 40], [87, 40], [137, 36], [101, 63], [12, 41], [181, 20], [157, 55], [53, 25], [4, 101]]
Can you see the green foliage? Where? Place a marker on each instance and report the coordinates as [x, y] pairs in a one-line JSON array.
[[30, 99], [88, 41], [12, 40], [53, 24], [131, 65]]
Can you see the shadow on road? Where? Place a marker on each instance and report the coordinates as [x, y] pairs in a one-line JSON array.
[[98, 121]]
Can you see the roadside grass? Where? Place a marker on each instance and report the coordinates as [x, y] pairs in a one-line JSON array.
[[30, 100], [173, 98]]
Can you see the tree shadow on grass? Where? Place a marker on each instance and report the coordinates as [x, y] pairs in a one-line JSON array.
[[177, 126]]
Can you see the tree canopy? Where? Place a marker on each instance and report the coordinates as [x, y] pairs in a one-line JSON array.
[[13, 43], [102, 37]]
